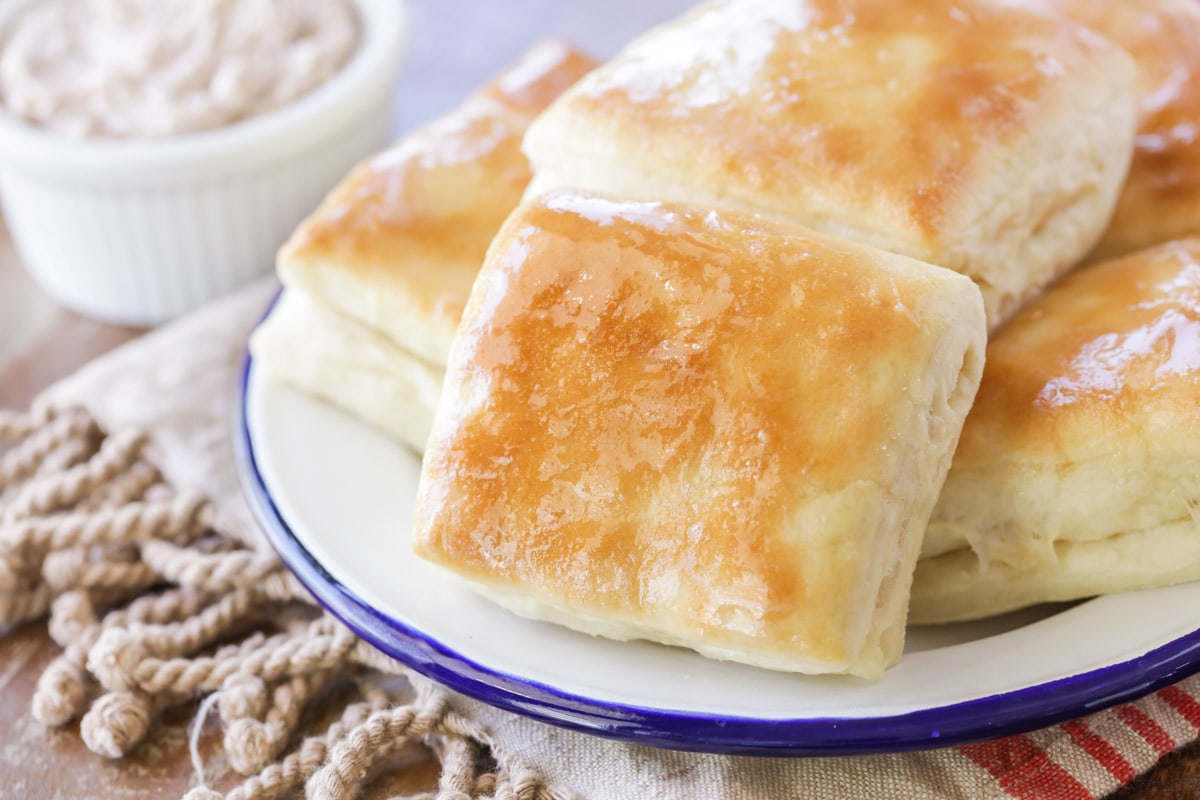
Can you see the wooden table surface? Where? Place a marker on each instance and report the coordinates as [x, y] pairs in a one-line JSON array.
[[455, 45]]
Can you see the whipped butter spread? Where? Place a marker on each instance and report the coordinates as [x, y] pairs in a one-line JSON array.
[[155, 68]]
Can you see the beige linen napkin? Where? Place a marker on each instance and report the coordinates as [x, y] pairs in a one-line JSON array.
[[121, 480]]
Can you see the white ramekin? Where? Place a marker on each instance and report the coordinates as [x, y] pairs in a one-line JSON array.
[[136, 232]]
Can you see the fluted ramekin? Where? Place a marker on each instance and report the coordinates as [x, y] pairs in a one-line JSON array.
[[139, 231]]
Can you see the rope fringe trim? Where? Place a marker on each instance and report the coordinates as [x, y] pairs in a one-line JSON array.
[[154, 609]]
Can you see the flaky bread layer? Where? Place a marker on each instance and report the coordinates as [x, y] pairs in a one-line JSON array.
[[1015, 511], [1035, 208], [957, 586], [1161, 197], [348, 366]]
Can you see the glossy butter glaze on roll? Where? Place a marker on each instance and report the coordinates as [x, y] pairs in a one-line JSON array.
[[377, 277], [1161, 199], [1078, 471], [699, 428], [985, 139]]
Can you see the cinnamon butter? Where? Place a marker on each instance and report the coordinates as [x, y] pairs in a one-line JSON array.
[[155, 68]]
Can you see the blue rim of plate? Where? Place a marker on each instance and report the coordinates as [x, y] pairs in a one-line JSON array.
[[989, 717]]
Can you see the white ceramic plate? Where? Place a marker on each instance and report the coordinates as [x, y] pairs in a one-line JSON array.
[[335, 498]]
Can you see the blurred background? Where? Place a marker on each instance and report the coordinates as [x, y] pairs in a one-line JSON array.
[[457, 44], [453, 47]]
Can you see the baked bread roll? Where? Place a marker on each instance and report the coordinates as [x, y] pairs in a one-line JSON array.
[[378, 275], [397, 245], [701, 428], [989, 140], [1161, 198], [1077, 470]]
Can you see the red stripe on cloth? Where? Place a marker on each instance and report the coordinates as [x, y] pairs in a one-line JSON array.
[[1150, 731], [1184, 703], [1100, 749], [1024, 770]]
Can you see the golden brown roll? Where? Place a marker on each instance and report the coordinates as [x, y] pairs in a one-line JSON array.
[[377, 277], [1161, 199], [1077, 472], [700, 428], [989, 140], [398, 243]]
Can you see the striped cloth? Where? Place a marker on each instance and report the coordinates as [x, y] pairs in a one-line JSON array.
[[1084, 759], [1091, 757]]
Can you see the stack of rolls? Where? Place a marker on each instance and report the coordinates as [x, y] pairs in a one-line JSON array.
[[1076, 474], [1160, 201], [1077, 470], [712, 375], [378, 275]]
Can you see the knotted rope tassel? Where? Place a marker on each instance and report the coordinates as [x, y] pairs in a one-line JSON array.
[[86, 522], [293, 771], [36, 440], [354, 755], [258, 730]]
